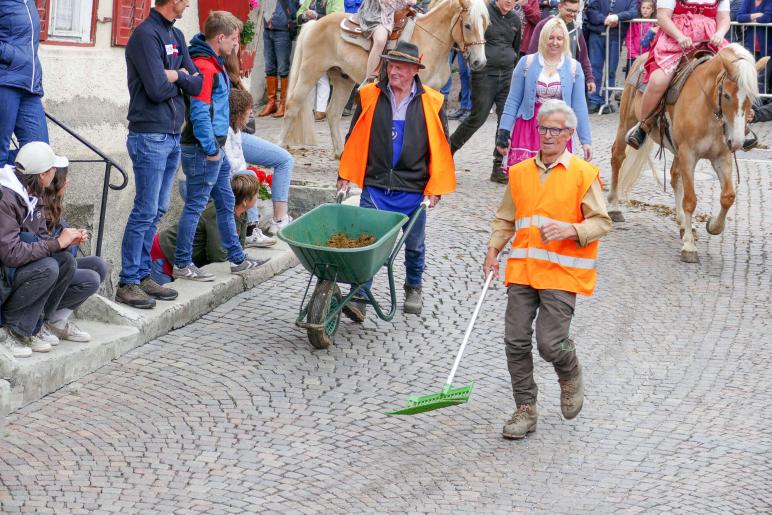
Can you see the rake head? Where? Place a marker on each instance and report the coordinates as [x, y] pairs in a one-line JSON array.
[[447, 397]]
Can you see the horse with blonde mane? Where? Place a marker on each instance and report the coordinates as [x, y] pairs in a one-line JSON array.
[[706, 122], [320, 49]]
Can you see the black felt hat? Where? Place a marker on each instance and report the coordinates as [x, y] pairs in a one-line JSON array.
[[404, 52]]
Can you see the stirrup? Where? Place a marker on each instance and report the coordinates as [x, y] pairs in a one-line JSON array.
[[636, 136], [751, 140]]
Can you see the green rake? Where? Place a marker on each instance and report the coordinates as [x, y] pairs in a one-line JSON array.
[[449, 396]]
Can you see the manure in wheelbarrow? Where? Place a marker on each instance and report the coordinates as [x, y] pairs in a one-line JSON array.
[[342, 241]]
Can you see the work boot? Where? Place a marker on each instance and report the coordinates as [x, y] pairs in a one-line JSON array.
[[356, 309], [572, 395], [155, 290], [282, 95], [497, 174], [133, 295], [636, 136], [522, 422], [270, 88], [413, 300]]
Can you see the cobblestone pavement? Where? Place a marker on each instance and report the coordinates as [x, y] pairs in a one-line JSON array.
[[236, 413]]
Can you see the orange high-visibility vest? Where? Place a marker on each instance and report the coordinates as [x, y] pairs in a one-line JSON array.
[[557, 265], [442, 173]]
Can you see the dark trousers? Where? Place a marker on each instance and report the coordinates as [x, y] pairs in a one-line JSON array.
[[89, 273], [488, 88], [597, 49], [37, 291], [553, 311]]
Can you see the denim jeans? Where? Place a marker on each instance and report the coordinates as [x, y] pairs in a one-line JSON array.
[[597, 50], [155, 158], [464, 75], [22, 114], [415, 246], [277, 46], [36, 292], [205, 178], [260, 152]]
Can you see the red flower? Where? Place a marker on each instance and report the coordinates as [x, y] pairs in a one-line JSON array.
[[269, 180]]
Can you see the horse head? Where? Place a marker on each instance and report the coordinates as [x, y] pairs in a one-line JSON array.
[[736, 89], [468, 31]]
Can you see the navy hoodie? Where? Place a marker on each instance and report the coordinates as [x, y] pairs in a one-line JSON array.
[[155, 104]]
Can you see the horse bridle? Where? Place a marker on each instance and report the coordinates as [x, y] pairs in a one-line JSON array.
[[464, 43]]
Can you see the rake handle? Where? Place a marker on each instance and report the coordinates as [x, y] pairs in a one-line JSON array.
[[449, 382]]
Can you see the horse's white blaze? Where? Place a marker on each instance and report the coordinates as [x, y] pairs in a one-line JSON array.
[[737, 123]]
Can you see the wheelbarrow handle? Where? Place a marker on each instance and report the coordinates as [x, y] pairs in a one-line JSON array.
[[411, 222]]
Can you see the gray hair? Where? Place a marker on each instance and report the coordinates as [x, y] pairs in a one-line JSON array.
[[551, 107]]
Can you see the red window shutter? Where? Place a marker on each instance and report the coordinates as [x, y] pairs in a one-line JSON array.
[[127, 14], [44, 8]]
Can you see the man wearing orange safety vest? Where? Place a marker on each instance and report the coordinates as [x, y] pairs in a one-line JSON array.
[[554, 208], [397, 151]]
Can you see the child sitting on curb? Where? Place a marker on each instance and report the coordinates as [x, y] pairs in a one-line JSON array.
[[207, 247]]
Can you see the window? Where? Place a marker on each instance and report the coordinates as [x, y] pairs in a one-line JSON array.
[[71, 20]]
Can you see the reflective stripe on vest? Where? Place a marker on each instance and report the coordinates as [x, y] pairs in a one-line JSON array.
[[536, 221], [552, 257]]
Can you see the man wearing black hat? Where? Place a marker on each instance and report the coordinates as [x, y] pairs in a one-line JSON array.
[[397, 151]]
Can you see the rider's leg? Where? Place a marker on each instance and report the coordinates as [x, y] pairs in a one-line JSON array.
[[380, 35], [658, 83]]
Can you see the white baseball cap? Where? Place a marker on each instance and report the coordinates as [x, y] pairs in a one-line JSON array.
[[38, 157]]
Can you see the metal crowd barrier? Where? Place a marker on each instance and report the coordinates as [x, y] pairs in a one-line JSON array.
[[736, 34]]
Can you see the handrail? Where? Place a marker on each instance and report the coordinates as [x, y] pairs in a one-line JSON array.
[[106, 186]]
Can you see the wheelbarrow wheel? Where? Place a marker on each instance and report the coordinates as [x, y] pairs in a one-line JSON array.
[[326, 298]]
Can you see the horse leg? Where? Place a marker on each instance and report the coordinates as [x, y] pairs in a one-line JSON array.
[[341, 90], [618, 152], [682, 177], [298, 126], [723, 168]]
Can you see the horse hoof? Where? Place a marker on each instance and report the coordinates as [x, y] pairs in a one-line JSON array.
[[707, 228], [690, 256], [616, 216]]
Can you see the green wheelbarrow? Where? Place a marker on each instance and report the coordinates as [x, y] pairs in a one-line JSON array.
[[307, 237]]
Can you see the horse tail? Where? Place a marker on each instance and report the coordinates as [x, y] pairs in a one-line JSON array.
[[633, 165], [298, 124]]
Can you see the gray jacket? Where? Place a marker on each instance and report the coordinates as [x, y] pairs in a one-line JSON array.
[[13, 220]]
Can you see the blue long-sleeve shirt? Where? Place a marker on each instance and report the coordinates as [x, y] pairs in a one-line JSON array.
[[597, 10]]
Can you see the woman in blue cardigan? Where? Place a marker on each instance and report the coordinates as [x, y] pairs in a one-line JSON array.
[[550, 73]]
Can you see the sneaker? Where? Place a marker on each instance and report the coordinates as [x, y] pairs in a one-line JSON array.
[[277, 225], [155, 290], [347, 111], [413, 300], [16, 347], [192, 273], [247, 265], [636, 136], [134, 296], [572, 395], [47, 336], [259, 240], [522, 422], [356, 309], [67, 330]]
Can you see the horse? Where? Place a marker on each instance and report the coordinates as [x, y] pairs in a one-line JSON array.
[[320, 49], [707, 121]]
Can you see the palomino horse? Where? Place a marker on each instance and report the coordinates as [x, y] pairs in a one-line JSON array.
[[321, 49], [707, 122]]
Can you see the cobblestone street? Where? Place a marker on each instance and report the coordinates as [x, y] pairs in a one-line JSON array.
[[237, 413]]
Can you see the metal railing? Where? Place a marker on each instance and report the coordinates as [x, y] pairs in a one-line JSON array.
[[736, 34], [106, 185]]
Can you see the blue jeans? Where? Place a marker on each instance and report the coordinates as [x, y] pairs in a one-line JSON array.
[[155, 158], [415, 246], [277, 46], [260, 152], [597, 50], [464, 75], [205, 178], [22, 114]]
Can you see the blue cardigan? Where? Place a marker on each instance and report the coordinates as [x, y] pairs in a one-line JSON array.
[[522, 95]]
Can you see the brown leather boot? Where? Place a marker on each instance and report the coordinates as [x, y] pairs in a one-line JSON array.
[[270, 87], [282, 99]]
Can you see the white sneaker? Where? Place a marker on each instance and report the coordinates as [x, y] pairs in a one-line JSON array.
[[36, 344], [15, 347], [47, 336], [67, 330], [258, 239], [277, 225]]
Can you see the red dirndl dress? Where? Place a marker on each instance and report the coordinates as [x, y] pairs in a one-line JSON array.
[[695, 19]]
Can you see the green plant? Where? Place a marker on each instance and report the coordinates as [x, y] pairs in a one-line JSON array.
[[248, 32]]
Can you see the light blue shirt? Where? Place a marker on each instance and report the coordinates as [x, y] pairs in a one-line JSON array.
[[399, 111]]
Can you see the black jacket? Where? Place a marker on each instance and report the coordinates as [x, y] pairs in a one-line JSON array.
[[762, 113], [502, 40], [155, 104], [412, 170]]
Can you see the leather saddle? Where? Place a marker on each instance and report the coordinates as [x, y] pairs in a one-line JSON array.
[[404, 21]]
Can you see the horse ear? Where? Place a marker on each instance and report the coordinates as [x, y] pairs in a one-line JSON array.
[[761, 63]]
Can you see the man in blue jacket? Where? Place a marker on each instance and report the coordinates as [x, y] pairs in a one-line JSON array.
[[606, 16], [159, 71], [21, 79], [204, 163]]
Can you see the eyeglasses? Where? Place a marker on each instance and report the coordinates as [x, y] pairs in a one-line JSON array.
[[554, 131], [571, 11]]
